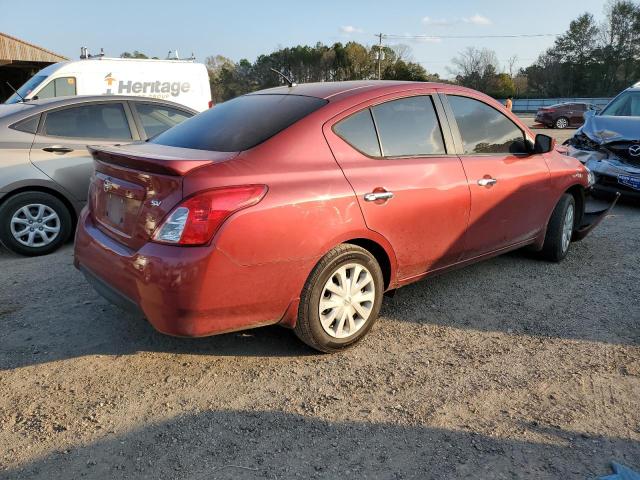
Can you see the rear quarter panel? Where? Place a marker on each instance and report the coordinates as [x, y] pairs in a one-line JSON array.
[[271, 248]]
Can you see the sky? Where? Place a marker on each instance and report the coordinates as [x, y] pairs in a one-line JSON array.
[[247, 28]]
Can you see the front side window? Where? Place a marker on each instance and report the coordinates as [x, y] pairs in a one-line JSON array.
[[241, 123], [408, 127], [626, 104], [156, 119], [60, 87], [359, 131], [484, 130], [103, 121]]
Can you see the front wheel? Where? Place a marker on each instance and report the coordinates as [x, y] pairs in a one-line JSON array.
[[560, 230], [561, 123], [34, 223], [340, 300]]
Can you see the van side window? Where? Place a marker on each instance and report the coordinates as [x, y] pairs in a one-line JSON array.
[[102, 121], [484, 130], [60, 87]]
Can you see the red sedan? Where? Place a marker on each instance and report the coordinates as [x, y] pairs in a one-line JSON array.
[[302, 206]]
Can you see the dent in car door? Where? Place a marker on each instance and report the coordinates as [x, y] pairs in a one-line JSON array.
[[510, 190], [60, 146], [409, 188]]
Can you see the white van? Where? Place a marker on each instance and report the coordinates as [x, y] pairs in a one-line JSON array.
[[181, 81]]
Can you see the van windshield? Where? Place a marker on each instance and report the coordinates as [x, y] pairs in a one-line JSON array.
[[241, 123], [26, 89]]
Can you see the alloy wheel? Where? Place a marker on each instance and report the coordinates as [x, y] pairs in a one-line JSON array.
[[567, 227], [35, 225]]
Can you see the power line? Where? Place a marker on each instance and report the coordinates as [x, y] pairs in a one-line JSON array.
[[434, 37]]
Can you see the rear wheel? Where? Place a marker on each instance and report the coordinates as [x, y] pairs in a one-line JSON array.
[[340, 300], [560, 230], [561, 122], [34, 223]]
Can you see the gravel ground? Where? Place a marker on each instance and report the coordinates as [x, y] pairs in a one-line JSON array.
[[512, 368]]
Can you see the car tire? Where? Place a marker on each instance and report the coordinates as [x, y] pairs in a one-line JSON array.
[[560, 229], [349, 313], [34, 223], [561, 123]]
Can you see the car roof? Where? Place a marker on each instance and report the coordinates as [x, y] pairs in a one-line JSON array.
[[47, 103], [341, 90]]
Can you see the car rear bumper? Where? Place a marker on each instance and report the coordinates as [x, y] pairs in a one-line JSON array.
[[187, 292]]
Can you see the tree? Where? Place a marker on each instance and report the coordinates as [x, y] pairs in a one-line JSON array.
[[304, 63], [476, 68], [135, 54]]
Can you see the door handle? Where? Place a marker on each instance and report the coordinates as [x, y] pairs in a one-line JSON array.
[[57, 149], [487, 182], [373, 196]]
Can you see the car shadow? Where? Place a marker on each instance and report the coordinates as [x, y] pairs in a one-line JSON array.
[[273, 445]]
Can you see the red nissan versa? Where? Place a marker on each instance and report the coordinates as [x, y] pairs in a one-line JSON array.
[[302, 206]]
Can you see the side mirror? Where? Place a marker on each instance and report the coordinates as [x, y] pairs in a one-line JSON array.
[[543, 144], [589, 113]]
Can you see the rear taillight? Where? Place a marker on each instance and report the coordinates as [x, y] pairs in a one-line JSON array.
[[211, 103], [197, 218]]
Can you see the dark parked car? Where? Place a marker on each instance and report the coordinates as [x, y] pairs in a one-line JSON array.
[[45, 166], [563, 115]]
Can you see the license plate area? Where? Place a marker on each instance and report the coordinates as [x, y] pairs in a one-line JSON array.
[[629, 181], [115, 210]]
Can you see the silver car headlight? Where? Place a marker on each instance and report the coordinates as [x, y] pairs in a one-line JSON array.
[[591, 178]]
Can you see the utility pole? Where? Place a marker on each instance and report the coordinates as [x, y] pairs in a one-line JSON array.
[[379, 55]]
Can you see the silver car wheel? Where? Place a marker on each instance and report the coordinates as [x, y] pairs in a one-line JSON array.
[[347, 300], [562, 122], [567, 228], [35, 225]]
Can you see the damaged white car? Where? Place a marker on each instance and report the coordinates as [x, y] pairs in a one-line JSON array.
[[609, 144]]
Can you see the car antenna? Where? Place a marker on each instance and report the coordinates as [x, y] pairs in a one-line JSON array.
[[290, 82], [16, 92]]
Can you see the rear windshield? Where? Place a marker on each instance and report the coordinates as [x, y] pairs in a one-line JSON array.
[[239, 124]]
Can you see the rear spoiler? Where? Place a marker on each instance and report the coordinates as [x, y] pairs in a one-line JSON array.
[[152, 162]]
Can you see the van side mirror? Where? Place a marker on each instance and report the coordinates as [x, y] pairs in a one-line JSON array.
[[589, 114], [543, 144]]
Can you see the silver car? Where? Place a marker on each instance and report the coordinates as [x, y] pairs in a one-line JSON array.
[[45, 167]]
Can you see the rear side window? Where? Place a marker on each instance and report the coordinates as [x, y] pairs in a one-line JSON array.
[[241, 123], [484, 130], [158, 118], [60, 87], [408, 127], [103, 121], [30, 125], [359, 131]]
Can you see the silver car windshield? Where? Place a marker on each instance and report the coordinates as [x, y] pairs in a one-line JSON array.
[[26, 89]]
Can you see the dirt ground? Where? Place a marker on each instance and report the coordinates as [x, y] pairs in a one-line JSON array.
[[512, 368]]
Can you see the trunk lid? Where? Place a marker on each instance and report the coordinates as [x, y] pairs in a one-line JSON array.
[[135, 186]]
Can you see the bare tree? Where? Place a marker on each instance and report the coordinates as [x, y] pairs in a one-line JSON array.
[[475, 68]]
